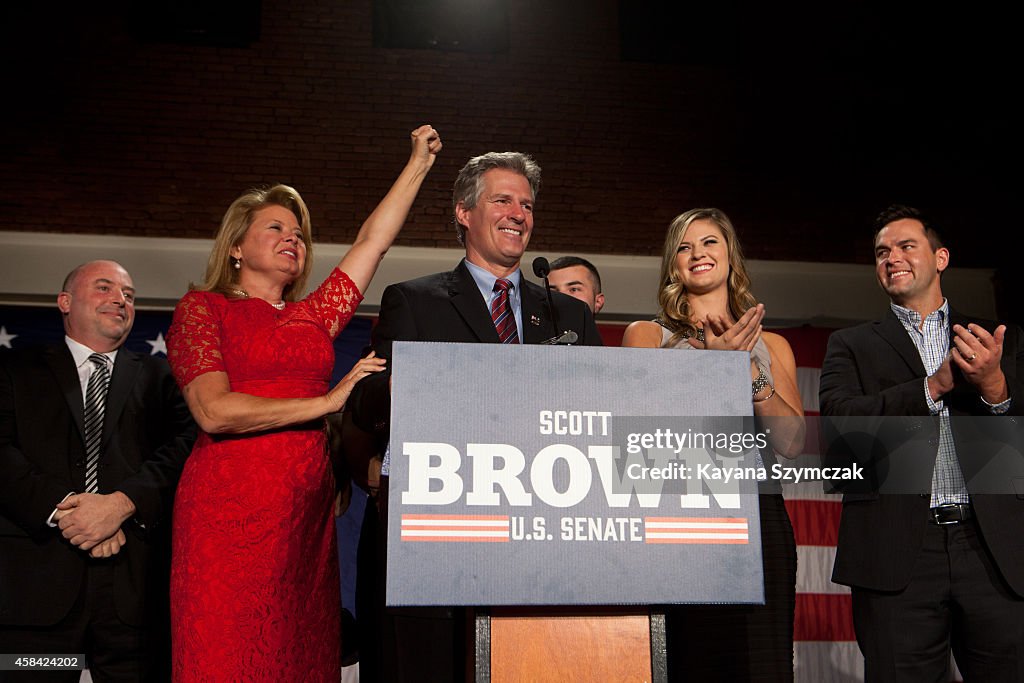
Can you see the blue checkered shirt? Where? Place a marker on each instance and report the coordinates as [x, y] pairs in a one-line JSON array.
[[932, 342]]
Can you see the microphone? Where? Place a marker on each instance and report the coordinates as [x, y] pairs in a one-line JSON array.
[[567, 338], [541, 268]]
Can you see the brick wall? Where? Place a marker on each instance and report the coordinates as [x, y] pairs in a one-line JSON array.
[[107, 132]]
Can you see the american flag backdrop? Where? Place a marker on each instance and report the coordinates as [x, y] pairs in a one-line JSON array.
[[824, 646]]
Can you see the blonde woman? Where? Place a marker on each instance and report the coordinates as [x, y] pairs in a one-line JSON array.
[[254, 583], [705, 303]]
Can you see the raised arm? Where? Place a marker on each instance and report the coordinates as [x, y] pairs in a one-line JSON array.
[[382, 226]]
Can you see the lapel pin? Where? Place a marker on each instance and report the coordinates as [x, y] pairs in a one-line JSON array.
[[534, 320]]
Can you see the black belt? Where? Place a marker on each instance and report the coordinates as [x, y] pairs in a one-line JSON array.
[[951, 513]]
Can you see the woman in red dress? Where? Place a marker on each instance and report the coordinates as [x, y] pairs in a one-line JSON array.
[[254, 574]]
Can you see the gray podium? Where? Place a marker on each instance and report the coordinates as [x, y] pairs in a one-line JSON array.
[[561, 492]]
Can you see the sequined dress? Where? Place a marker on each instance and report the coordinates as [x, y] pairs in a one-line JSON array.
[[254, 575], [742, 642]]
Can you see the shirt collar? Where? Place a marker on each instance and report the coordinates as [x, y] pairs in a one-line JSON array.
[[485, 280], [80, 352], [913, 318]]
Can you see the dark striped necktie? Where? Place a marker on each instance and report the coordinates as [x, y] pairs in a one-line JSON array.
[[501, 313], [95, 402]]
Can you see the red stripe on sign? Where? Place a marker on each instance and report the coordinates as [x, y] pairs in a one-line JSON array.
[[698, 520], [702, 530], [455, 528], [451, 526], [698, 541], [815, 522], [455, 539], [823, 617], [486, 518]]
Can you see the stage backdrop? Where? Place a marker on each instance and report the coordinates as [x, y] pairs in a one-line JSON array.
[[824, 647]]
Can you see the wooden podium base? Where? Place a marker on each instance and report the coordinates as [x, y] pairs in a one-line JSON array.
[[538, 644]]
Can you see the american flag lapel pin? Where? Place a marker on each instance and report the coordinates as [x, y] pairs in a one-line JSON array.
[[534, 320]]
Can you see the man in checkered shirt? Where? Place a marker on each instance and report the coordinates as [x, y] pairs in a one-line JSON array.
[[939, 567]]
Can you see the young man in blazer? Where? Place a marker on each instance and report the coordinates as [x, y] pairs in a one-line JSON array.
[[493, 202], [939, 568], [84, 549]]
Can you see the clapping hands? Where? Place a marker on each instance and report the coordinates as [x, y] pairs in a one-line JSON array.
[[739, 336]]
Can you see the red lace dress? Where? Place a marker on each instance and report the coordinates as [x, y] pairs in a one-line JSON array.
[[254, 577]]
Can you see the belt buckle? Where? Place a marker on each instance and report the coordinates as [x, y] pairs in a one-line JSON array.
[[947, 506]]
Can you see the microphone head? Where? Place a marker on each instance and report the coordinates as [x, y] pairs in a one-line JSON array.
[[541, 267], [568, 337]]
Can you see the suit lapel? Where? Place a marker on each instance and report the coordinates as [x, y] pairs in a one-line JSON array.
[[465, 297], [64, 372], [893, 332], [126, 370]]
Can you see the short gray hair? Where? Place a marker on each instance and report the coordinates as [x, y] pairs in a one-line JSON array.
[[469, 184]]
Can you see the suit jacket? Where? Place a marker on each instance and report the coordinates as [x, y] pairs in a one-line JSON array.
[[147, 435], [448, 307], [875, 370]]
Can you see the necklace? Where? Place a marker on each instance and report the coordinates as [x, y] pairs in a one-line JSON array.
[[245, 295]]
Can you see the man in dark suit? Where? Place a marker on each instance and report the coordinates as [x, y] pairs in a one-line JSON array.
[[941, 566], [485, 299], [92, 441]]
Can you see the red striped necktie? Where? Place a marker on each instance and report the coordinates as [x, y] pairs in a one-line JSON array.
[[501, 313]]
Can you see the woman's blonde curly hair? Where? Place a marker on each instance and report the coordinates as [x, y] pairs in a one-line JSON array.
[[674, 304]]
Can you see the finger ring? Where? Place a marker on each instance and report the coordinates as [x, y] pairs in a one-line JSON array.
[[972, 357]]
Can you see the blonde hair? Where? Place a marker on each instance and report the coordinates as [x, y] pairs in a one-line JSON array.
[[674, 305], [221, 274]]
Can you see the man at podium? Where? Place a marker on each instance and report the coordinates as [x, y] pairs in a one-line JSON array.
[[484, 299]]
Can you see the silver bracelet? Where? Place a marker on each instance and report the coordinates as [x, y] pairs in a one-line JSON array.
[[759, 383]]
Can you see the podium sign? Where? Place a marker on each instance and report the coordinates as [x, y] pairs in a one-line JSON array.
[[541, 475]]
